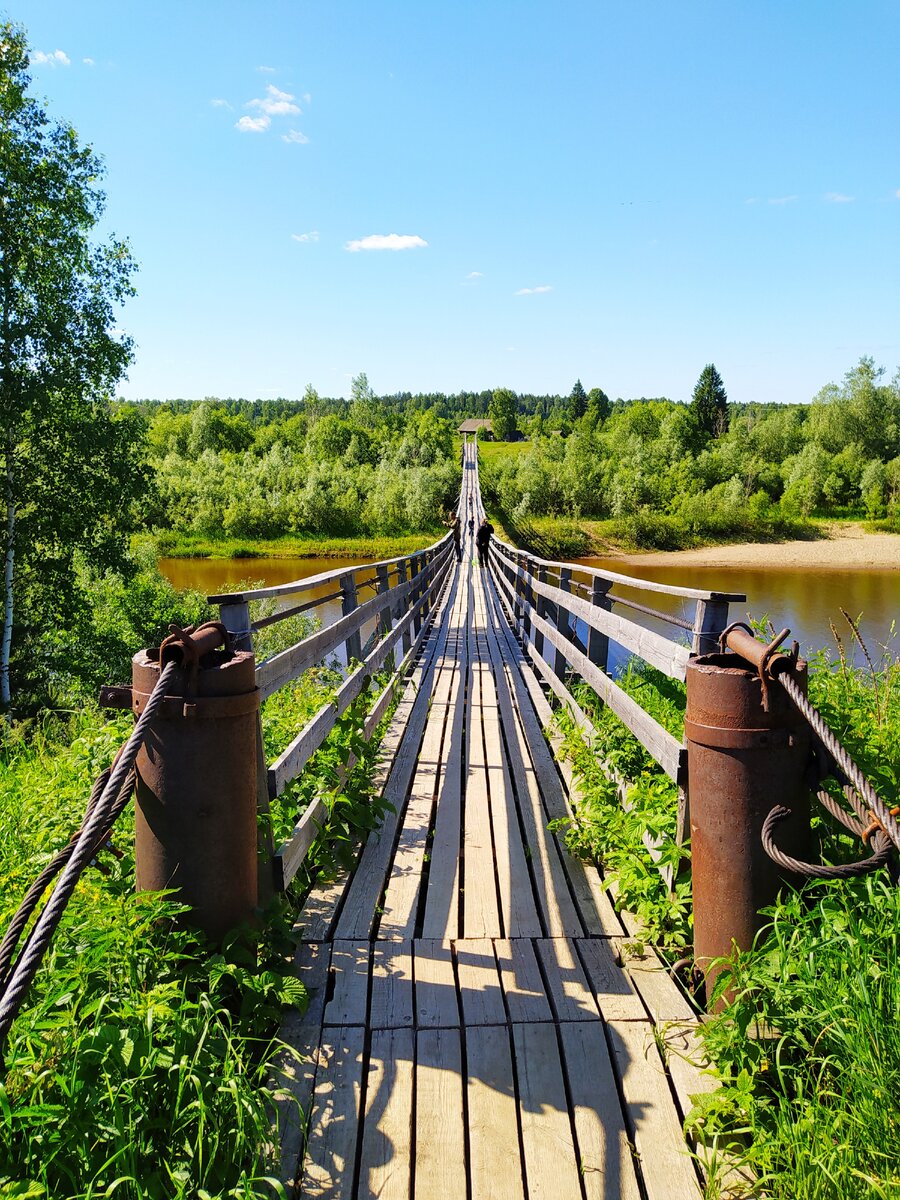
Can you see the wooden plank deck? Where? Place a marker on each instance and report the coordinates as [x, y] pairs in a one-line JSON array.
[[478, 1027]]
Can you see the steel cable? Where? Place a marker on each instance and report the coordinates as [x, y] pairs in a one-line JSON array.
[[20, 978], [882, 851], [56, 864], [840, 756]]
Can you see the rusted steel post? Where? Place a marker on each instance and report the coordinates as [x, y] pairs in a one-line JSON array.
[[748, 750], [196, 799]]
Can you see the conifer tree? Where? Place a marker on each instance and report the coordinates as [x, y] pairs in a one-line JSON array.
[[710, 403]]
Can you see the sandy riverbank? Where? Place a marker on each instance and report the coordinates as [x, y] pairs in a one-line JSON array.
[[846, 548]]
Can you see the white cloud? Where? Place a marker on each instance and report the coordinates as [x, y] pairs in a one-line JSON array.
[[838, 198], [897, 194], [58, 58], [275, 103], [266, 70], [294, 135], [253, 124], [535, 291], [784, 199], [474, 275], [386, 241], [306, 98], [218, 102], [88, 62], [312, 236]]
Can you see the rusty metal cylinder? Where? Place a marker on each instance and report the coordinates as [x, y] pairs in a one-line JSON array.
[[748, 750], [195, 813]]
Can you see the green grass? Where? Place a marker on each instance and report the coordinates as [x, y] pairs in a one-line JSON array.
[[172, 544]]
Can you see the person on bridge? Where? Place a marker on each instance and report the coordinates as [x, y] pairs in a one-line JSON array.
[[456, 530], [483, 541]]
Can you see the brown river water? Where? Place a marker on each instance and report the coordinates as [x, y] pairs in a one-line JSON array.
[[807, 601]]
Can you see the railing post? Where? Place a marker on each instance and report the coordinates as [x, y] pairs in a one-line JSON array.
[[353, 643], [560, 665], [415, 566], [747, 751], [710, 620], [402, 576], [598, 643], [528, 597], [236, 619], [541, 607], [384, 617]]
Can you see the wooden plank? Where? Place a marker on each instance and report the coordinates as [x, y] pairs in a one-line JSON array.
[[616, 997], [480, 991], [319, 912], [595, 908], [391, 1005], [495, 1161], [659, 991], [523, 987], [551, 1158], [665, 1161], [387, 1141], [442, 904], [567, 985], [440, 1135], [481, 911], [517, 902], [328, 1168], [359, 915], [605, 1152], [350, 984], [435, 985]]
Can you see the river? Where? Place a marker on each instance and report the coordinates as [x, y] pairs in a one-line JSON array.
[[807, 601]]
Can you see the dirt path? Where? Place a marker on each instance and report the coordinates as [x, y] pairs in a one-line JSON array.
[[846, 548]]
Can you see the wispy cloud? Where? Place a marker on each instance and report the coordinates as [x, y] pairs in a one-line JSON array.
[[535, 291], [266, 70], [253, 124], [312, 236], [218, 102], [275, 103], [57, 58], [783, 199], [897, 194], [838, 198], [475, 275], [88, 62], [295, 136], [386, 241]]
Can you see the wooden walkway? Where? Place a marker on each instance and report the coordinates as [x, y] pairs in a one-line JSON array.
[[477, 1027]]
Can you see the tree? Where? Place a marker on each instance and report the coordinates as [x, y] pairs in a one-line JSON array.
[[70, 462], [598, 406], [577, 402], [502, 411], [710, 403]]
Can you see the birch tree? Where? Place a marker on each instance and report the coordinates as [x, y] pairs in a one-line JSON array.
[[69, 467]]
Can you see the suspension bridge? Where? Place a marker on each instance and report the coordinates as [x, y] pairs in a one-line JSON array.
[[483, 1022]]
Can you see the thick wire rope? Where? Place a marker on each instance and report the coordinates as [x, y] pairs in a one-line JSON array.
[[25, 969]]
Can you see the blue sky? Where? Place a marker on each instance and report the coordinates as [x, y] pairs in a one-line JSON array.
[[620, 192]]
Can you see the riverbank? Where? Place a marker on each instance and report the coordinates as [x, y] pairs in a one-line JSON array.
[[843, 546], [185, 545]]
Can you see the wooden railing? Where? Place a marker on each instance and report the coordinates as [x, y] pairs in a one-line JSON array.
[[406, 589], [565, 615]]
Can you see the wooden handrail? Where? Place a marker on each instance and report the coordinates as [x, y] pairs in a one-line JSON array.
[[312, 581], [646, 585]]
